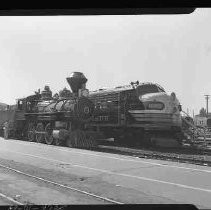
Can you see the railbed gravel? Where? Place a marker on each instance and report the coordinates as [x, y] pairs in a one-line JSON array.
[[189, 155]]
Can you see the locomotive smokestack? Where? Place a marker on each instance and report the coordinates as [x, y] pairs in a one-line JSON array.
[[76, 80]]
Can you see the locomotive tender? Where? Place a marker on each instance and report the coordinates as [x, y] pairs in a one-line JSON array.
[[137, 114]]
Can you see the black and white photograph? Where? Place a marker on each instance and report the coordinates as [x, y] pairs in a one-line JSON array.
[[106, 109]]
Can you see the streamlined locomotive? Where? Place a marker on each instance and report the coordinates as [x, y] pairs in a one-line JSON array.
[[139, 113]]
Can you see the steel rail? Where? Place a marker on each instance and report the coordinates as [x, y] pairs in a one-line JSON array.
[[10, 199], [62, 186]]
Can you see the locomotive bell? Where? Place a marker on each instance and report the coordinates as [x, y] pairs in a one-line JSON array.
[[76, 80]]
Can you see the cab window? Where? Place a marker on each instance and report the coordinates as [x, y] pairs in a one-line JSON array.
[[148, 88]]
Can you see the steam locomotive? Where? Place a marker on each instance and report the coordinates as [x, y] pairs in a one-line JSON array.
[[137, 114], [56, 120]]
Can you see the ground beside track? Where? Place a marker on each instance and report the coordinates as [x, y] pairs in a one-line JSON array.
[[122, 178], [29, 191], [191, 155], [5, 202]]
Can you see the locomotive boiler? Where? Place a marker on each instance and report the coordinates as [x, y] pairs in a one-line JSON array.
[[59, 119], [139, 113]]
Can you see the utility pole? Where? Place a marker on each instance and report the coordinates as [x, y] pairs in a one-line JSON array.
[[207, 99], [187, 111]]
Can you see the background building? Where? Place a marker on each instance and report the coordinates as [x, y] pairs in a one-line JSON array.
[[200, 121]]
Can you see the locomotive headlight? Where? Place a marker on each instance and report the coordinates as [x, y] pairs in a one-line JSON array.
[[155, 106]]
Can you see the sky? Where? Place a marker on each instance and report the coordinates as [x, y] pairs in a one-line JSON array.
[[171, 50]]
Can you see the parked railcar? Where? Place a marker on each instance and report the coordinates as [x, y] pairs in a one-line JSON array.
[[137, 114], [208, 123]]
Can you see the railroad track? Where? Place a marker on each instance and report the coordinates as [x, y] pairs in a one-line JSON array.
[[59, 185], [194, 156], [10, 200]]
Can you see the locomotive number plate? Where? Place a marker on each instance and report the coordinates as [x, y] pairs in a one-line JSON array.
[[101, 118]]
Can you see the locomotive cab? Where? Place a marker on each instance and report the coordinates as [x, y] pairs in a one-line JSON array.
[[161, 111], [135, 110]]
